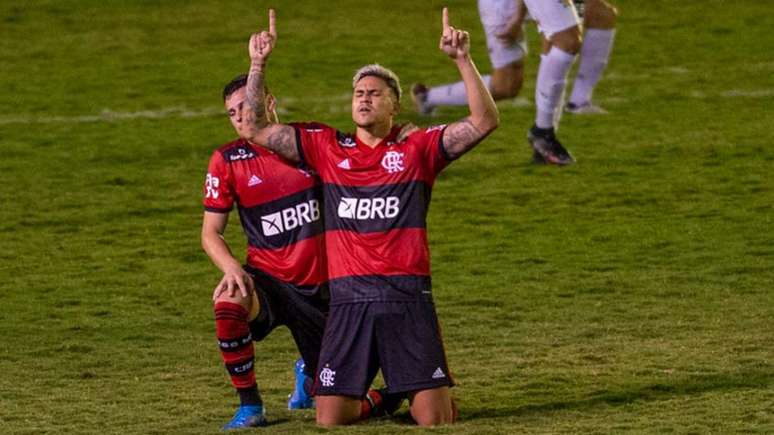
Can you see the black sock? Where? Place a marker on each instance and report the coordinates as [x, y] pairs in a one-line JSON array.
[[249, 396]]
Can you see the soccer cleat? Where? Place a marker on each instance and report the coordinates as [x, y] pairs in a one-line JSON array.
[[300, 398], [247, 416], [537, 158], [419, 97], [547, 148], [584, 109], [384, 403]]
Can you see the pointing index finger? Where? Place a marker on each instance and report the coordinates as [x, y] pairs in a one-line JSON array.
[[445, 18], [272, 26]]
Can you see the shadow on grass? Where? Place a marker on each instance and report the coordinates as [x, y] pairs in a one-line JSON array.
[[656, 391]]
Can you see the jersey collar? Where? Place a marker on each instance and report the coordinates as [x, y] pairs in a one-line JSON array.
[[387, 141]]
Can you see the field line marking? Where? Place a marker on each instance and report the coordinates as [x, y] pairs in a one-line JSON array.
[[331, 105]]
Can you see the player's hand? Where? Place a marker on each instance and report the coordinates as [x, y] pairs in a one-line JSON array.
[[262, 43], [455, 43], [406, 131], [233, 281]]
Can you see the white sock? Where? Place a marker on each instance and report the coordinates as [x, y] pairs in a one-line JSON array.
[[452, 94], [597, 44], [551, 79]]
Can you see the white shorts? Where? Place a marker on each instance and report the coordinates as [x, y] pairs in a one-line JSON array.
[[552, 16], [494, 16]]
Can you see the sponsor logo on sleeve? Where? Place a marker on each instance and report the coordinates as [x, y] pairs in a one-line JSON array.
[[241, 154], [345, 140], [211, 185]]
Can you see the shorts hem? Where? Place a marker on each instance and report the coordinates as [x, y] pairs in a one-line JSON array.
[[348, 393], [419, 387]]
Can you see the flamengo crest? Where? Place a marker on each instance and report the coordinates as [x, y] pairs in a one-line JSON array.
[[327, 377], [393, 162]]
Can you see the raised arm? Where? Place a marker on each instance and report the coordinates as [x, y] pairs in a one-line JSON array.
[[279, 138], [461, 136]]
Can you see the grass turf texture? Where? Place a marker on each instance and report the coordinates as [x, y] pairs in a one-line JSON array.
[[631, 292]]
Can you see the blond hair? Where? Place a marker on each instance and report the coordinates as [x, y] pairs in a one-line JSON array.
[[383, 73]]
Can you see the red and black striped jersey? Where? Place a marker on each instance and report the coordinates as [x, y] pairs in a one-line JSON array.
[[376, 204], [279, 207]]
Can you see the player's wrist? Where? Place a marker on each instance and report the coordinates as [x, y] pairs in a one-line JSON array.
[[232, 268], [463, 59], [257, 65]]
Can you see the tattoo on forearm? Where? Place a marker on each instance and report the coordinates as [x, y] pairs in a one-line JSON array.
[[254, 93], [460, 137], [283, 142]]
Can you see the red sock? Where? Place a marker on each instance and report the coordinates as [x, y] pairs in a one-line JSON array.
[[371, 405], [236, 343]]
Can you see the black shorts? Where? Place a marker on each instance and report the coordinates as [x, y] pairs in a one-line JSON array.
[[285, 304], [401, 338]]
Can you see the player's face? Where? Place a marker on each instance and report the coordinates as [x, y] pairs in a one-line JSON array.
[[235, 105], [373, 102]]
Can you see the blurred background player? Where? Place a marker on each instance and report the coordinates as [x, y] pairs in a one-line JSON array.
[[283, 282], [507, 48], [503, 22], [377, 192], [599, 19], [559, 25]]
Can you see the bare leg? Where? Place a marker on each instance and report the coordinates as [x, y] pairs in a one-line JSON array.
[[432, 407], [600, 20], [506, 82], [337, 410]]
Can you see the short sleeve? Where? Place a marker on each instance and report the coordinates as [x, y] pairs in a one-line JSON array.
[[312, 140], [430, 141], [218, 186]]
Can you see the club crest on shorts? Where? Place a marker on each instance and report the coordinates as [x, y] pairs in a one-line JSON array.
[[393, 162], [327, 376]]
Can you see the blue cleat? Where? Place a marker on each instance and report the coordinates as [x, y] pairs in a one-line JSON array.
[[300, 398], [247, 416]]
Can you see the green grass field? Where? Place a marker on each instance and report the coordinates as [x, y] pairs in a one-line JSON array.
[[631, 292]]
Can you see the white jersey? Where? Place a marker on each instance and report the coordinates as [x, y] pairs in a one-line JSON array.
[[552, 16], [494, 17]]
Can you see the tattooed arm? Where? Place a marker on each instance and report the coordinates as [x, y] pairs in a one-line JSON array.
[[461, 136], [277, 137]]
